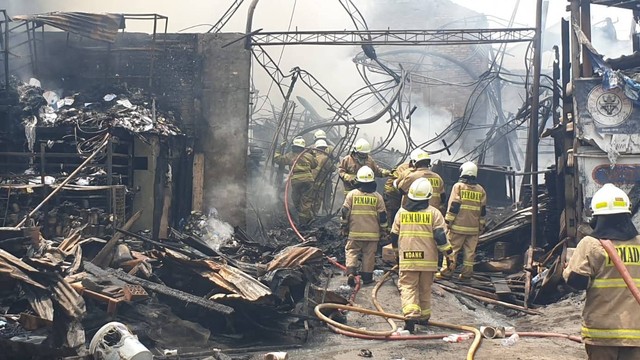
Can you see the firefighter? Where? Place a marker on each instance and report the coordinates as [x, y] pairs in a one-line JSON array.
[[418, 232], [392, 196], [421, 168], [358, 158], [321, 135], [364, 219], [300, 176], [465, 219], [322, 175], [611, 315]]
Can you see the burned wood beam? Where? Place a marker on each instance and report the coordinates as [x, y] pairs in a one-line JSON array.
[[103, 255], [161, 289], [157, 243], [491, 301], [501, 287]]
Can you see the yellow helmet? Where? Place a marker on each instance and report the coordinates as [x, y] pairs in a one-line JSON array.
[[320, 134], [299, 142], [420, 189], [610, 199], [362, 146], [365, 175]]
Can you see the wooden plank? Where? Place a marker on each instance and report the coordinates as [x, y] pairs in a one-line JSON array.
[[500, 285], [103, 255], [197, 197], [159, 288]]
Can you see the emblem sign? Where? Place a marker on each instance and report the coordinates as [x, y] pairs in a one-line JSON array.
[[608, 108]]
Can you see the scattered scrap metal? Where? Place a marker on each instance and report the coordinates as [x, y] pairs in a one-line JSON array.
[[154, 287]]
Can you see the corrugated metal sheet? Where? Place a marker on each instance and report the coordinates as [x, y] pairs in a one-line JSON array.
[[102, 27]]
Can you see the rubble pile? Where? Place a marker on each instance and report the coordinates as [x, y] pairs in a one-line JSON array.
[[181, 293], [100, 108]]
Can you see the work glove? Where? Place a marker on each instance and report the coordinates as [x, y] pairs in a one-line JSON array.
[[384, 237], [451, 260], [385, 173]]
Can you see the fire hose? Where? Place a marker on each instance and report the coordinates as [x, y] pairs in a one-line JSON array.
[[388, 335], [287, 186], [617, 262]]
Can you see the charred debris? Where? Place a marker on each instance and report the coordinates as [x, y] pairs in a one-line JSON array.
[[74, 255]]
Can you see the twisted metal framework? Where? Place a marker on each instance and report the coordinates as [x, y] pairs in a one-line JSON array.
[[393, 37], [226, 17]]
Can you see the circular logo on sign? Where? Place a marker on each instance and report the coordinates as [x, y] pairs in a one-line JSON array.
[[608, 108]]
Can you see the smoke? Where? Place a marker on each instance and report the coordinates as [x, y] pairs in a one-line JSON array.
[[220, 233]]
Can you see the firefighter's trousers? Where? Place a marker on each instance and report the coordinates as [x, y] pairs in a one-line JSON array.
[[415, 293], [467, 244], [368, 251], [302, 200], [597, 352]]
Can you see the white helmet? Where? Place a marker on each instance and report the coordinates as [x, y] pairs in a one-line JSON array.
[[321, 143], [610, 199], [420, 189], [365, 175], [419, 155], [468, 169], [299, 142], [320, 134], [362, 146]]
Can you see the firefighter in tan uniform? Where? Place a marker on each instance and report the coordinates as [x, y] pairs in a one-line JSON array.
[[611, 315], [300, 176], [358, 158], [421, 168], [465, 219], [321, 135], [392, 196], [418, 232], [364, 219], [322, 175]]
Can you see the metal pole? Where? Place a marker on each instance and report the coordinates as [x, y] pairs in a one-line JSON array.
[[585, 26], [66, 181], [6, 49], [533, 140]]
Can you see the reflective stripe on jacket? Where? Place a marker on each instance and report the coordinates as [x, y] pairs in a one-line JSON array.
[[417, 247], [349, 167], [364, 215], [302, 171], [611, 315], [471, 198], [407, 178]]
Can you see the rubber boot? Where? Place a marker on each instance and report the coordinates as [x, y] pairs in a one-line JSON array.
[[367, 277], [351, 276], [423, 322], [410, 325]]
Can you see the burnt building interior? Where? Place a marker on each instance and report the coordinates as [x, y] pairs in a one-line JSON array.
[[139, 193]]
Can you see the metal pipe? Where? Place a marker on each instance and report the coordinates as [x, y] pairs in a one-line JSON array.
[[585, 26], [574, 6], [67, 180], [252, 8], [533, 140]]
